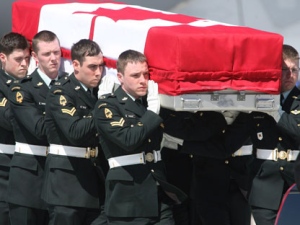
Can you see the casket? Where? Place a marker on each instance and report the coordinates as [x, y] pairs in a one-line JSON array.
[[199, 64]]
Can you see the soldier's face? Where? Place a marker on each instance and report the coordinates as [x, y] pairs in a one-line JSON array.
[[16, 63], [48, 57], [290, 71], [91, 70], [134, 81]]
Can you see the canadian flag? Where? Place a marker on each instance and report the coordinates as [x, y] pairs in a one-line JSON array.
[[185, 54]]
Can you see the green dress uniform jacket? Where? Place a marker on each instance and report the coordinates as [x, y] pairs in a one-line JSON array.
[[27, 99], [273, 178], [125, 128], [71, 181], [6, 133]]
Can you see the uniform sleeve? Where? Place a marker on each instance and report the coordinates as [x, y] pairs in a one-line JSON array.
[[71, 123], [290, 124], [5, 113], [27, 112], [127, 133]]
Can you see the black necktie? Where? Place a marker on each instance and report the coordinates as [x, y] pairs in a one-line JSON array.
[[281, 99], [139, 102], [90, 93], [51, 83]]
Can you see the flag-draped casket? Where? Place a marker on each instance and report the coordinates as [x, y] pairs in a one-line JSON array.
[[199, 64]]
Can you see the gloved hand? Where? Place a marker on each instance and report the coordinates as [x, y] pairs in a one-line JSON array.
[[230, 116], [153, 97], [171, 142], [107, 85], [276, 114]]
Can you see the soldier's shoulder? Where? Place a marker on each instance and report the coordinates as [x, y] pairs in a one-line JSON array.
[[106, 99]]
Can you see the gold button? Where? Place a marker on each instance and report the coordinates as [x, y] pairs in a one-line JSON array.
[[201, 114], [258, 125], [152, 171], [131, 125], [191, 156], [280, 138], [226, 162], [281, 168], [223, 131], [149, 140]]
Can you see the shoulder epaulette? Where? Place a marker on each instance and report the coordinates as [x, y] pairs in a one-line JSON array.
[[25, 79]]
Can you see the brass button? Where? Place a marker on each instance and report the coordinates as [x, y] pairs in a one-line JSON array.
[[191, 156], [149, 140], [258, 125], [226, 162], [281, 168], [280, 138], [152, 171], [223, 131]]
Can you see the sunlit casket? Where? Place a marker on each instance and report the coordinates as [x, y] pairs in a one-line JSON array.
[[199, 64]]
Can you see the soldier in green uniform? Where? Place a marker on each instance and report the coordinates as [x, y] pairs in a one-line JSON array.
[[130, 133], [14, 56], [28, 99], [73, 188]]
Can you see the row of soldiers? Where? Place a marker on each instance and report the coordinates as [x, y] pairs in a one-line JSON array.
[[68, 157]]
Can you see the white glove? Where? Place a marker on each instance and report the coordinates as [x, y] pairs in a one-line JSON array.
[[230, 116], [276, 114], [107, 85], [171, 142], [153, 97]]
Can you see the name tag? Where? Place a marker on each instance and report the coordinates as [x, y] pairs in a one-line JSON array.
[[130, 116]]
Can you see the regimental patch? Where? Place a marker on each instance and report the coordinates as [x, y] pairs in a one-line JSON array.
[[103, 104], [3, 102], [108, 113], [16, 88], [19, 97], [57, 91], [260, 136], [118, 123], [295, 112], [68, 111], [39, 84], [62, 100]]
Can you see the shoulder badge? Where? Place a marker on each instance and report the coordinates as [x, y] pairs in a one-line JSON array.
[[16, 88], [119, 123], [57, 91], [108, 113], [3, 102], [69, 111], [19, 97], [62, 100]]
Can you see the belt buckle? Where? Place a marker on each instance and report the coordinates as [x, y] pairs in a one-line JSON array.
[[149, 157], [90, 152], [282, 155]]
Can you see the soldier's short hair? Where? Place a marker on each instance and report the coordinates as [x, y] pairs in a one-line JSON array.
[[12, 41], [83, 48], [129, 56], [42, 36]]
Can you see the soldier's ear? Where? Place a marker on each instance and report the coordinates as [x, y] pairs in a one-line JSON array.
[[76, 65], [2, 57], [120, 77]]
